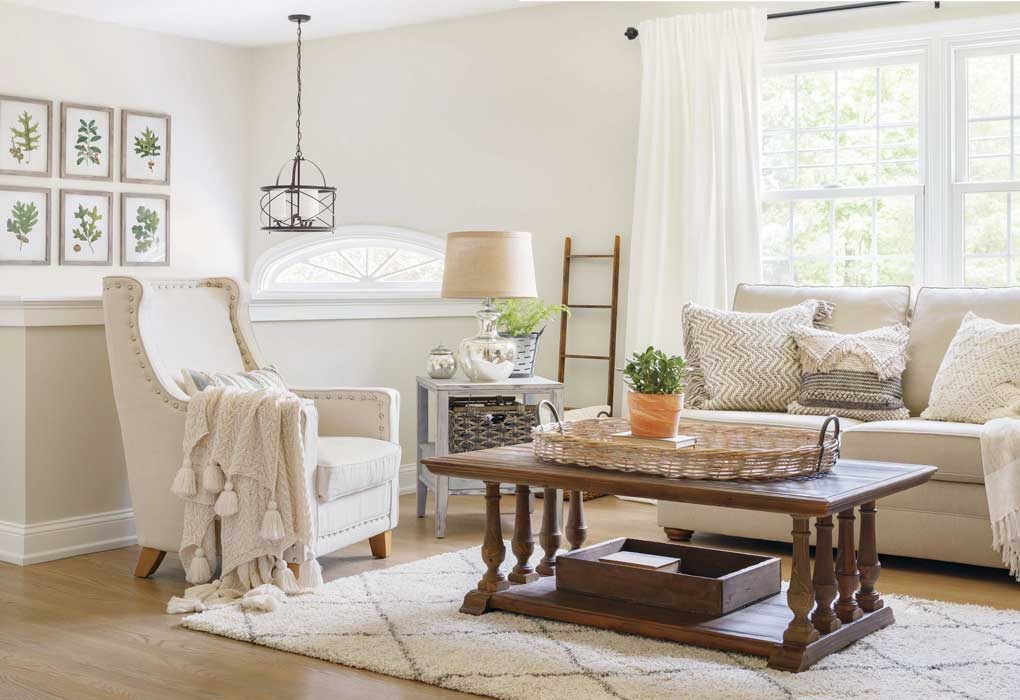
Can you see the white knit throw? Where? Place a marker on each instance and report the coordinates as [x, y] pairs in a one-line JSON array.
[[244, 461], [1000, 455]]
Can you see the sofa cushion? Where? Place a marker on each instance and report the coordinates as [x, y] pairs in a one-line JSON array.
[[856, 308], [351, 464], [936, 318], [779, 420], [955, 448]]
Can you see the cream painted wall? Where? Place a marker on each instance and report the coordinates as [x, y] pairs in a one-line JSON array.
[[12, 425], [203, 87]]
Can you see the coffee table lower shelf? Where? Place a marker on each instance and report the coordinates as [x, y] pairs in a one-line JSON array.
[[756, 629]]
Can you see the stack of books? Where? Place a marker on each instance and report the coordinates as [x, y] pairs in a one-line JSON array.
[[673, 443]]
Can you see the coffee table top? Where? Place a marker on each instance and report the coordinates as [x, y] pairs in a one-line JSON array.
[[851, 483]]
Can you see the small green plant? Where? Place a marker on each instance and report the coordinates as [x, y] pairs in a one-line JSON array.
[[23, 219], [86, 230], [145, 229], [520, 317], [24, 138], [653, 372], [86, 144], [147, 146]]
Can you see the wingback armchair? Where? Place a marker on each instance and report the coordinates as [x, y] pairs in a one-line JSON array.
[[156, 328]]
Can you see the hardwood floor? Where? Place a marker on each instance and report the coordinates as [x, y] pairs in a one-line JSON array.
[[86, 628]]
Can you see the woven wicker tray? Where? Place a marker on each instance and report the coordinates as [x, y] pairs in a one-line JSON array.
[[723, 452]]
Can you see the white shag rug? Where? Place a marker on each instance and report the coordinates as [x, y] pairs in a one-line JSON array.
[[404, 622]]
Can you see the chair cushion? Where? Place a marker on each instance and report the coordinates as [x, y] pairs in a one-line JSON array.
[[780, 420], [856, 308], [351, 464], [955, 448]]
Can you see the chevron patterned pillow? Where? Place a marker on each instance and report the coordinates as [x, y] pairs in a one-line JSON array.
[[744, 361], [979, 378], [854, 376]]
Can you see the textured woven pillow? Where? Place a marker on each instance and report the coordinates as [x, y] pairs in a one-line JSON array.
[[194, 381], [745, 361], [856, 376], [979, 378]]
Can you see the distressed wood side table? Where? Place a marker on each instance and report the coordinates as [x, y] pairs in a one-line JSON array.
[[531, 389], [818, 613]]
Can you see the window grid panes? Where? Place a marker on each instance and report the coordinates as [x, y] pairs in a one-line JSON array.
[[841, 170]]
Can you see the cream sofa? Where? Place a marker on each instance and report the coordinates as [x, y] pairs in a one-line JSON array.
[[946, 519]]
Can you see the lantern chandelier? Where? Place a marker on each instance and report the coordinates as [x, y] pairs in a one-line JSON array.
[[305, 203]]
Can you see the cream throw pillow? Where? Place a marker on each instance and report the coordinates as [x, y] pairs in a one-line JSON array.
[[979, 378], [743, 361]]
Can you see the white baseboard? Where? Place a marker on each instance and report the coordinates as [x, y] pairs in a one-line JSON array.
[[408, 474], [68, 537]]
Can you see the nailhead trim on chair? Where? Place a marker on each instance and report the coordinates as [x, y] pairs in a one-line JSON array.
[[353, 396]]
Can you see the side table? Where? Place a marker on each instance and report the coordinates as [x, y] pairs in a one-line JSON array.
[[434, 395]]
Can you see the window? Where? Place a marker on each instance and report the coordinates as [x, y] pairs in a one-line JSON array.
[[987, 183], [354, 262], [842, 172]]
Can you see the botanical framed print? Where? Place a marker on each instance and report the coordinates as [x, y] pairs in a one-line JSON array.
[[25, 214], [86, 142], [85, 227], [144, 229], [144, 147], [25, 134]]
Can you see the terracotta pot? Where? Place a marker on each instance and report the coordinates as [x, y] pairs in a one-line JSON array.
[[655, 415]]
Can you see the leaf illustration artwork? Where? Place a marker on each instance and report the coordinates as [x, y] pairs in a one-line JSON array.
[[24, 138], [147, 146], [86, 145], [86, 230], [23, 219], [145, 229]]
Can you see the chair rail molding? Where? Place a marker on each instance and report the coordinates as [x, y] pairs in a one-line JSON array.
[[51, 311]]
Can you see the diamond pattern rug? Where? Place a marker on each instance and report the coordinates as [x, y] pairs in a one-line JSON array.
[[404, 622]]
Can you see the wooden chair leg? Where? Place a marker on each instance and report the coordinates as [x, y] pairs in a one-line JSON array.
[[381, 544], [149, 560], [678, 535]]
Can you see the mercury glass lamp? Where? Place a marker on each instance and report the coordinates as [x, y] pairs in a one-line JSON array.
[[488, 265]]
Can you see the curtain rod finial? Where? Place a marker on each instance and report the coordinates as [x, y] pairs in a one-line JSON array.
[[631, 33]]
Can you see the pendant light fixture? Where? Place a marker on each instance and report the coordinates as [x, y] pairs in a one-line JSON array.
[[305, 203]]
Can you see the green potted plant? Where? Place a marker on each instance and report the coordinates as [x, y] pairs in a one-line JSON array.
[[656, 396], [518, 319]]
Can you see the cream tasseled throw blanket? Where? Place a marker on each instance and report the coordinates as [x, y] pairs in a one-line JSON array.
[[244, 462], [1000, 455]]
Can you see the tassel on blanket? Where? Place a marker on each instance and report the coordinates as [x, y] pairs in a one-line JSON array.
[[272, 524], [284, 579], [1006, 540], [177, 606], [310, 575], [226, 504], [203, 590], [199, 571], [184, 481], [212, 479], [266, 598]]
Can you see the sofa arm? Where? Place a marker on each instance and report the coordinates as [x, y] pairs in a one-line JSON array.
[[372, 412]]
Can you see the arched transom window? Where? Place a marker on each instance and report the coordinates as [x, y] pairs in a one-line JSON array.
[[361, 262]]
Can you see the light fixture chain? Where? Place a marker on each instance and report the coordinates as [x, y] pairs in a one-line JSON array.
[[298, 123]]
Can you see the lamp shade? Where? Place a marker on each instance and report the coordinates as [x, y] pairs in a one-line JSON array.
[[482, 264]]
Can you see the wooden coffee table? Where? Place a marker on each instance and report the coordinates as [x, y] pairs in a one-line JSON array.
[[816, 614]]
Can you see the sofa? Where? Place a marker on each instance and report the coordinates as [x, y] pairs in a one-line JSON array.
[[947, 518]]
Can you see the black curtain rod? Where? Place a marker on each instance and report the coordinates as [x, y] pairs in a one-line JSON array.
[[632, 33]]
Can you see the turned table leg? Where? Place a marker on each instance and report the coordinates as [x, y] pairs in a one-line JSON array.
[[800, 597], [493, 552], [577, 528], [550, 536], [824, 580], [868, 598], [846, 569], [523, 543]]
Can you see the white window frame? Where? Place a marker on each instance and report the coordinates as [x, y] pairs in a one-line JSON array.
[[941, 244], [292, 302]]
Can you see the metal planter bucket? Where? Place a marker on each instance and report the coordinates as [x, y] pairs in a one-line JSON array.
[[527, 351]]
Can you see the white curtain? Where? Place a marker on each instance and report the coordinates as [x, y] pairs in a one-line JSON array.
[[696, 195]]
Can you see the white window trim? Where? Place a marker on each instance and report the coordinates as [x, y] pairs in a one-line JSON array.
[[941, 244], [305, 305]]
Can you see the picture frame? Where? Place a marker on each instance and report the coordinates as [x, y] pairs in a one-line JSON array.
[[144, 147], [144, 229], [26, 136], [86, 227], [86, 142], [25, 236]]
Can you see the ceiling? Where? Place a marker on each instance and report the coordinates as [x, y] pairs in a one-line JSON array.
[[262, 22]]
